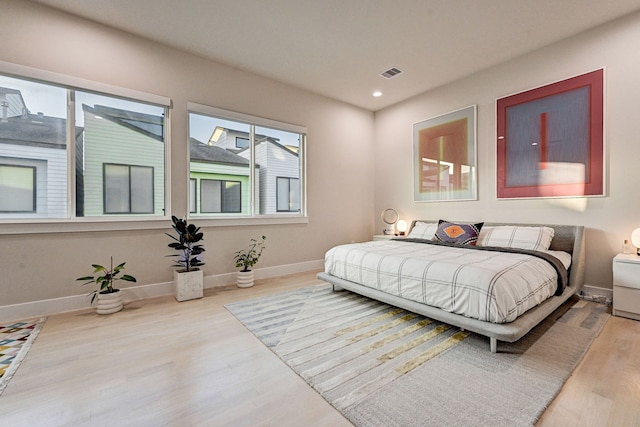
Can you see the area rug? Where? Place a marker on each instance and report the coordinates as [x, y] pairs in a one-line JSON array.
[[15, 341], [383, 366]]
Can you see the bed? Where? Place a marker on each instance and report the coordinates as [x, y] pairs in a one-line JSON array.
[[397, 278]]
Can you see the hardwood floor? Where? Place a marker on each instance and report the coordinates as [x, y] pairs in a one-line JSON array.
[[164, 363], [604, 390]]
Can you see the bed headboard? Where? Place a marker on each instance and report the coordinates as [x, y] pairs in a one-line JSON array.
[[567, 238]]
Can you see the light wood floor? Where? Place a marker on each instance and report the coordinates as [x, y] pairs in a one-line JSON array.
[[164, 363]]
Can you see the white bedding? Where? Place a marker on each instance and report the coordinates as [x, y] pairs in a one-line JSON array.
[[485, 285]]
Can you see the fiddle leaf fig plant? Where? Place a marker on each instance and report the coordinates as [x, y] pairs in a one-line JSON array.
[[104, 278], [186, 243], [247, 258]]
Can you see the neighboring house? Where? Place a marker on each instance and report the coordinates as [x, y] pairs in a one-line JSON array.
[[279, 168], [121, 159], [219, 180], [33, 161], [279, 176]]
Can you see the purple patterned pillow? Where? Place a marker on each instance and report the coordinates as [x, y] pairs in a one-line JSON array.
[[458, 233]]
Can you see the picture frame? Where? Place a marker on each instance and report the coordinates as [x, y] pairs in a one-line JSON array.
[[445, 157], [550, 140]]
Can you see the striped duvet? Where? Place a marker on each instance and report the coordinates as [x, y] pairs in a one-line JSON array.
[[485, 285]]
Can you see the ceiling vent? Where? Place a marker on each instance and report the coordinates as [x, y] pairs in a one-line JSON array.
[[391, 72]]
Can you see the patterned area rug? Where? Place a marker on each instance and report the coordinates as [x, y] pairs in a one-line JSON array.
[[15, 341], [383, 366]]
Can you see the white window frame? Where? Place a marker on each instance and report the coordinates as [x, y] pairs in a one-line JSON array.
[[99, 223], [253, 218]]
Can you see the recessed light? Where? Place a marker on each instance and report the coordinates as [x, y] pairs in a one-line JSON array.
[[377, 93]]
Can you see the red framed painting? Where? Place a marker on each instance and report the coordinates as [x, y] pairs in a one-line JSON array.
[[551, 140]]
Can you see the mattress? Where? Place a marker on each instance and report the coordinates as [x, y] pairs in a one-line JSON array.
[[489, 285]]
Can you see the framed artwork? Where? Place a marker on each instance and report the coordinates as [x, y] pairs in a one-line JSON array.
[[551, 140], [445, 155]]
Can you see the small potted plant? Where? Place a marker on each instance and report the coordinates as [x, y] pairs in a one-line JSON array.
[[109, 298], [247, 258], [188, 277]]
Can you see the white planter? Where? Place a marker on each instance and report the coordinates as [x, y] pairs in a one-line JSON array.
[[245, 279], [109, 303], [189, 285]]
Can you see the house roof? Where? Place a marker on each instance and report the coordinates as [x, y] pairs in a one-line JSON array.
[[202, 152], [273, 141], [147, 124], [34, 130]]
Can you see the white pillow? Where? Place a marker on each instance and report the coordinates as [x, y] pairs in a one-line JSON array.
[[423, 230], [520, 237]]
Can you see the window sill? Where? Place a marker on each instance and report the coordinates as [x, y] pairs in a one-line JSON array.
[[66, 226], [245, 221]]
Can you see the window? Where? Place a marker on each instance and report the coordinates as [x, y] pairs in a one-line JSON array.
[[219, 196], [113, 133], [17, 188], [288, 191], [271, 150], [193, 199], [128, 189], [110, 161]]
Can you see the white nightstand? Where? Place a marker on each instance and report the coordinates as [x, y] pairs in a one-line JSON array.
[[626, 286]]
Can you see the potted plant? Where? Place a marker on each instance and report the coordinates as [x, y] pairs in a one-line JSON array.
[[109, 298], [188, 277], [247, 258]]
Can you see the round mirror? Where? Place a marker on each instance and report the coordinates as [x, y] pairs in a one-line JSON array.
[[389, 216]]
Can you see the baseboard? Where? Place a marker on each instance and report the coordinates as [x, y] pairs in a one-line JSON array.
[[595, 290], [597, 294], [79, 302]]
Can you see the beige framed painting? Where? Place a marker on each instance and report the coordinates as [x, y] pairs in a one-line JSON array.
[[445, 157]]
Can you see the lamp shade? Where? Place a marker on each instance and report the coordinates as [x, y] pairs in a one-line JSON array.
[[635, 239], [401, 225]]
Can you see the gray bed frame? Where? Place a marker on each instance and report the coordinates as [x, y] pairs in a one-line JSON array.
[[568, 238]]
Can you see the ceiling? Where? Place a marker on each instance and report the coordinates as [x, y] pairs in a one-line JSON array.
[[338, 48]]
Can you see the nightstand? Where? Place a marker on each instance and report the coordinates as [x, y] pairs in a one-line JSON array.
[[626, 286], [387, 237]]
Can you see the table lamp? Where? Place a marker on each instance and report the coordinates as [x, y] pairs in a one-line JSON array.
[[635, 239]]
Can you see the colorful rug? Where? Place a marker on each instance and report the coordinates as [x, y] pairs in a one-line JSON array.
[[15, 341], [383, 366]]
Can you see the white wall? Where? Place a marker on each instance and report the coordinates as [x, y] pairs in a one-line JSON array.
[[340, 160], [608, 220]]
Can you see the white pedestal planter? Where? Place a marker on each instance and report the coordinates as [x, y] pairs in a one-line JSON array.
[[109, 303], [188, 284], [245, 279]]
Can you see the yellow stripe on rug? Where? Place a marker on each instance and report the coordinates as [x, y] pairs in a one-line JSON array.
[[383, 328], [415, 342], [455, 339], [368, 322], [400, 334]]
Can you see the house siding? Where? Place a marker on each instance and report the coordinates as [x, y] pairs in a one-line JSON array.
[[222, 172], [108, 142], [51, 177], [274, 162]]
